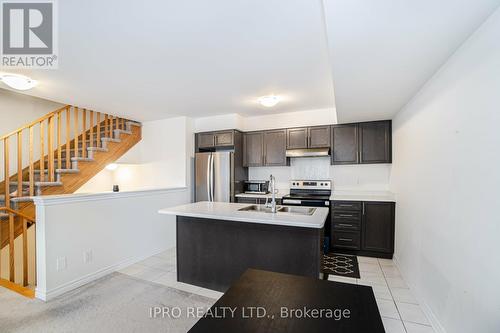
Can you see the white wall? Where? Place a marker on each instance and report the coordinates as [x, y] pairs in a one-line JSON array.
[[118, 228], [445, 175], [344, 177], [266, 121], [17, 110], [161, 159]]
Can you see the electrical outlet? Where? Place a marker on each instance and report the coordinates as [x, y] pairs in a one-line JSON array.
[[87, 256], [61, 264]]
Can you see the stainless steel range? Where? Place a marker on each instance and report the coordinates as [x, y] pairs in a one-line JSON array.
[[314, 193]]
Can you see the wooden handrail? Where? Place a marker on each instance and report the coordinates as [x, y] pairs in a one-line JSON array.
[[33, 123], [15, 212], [31, 160]]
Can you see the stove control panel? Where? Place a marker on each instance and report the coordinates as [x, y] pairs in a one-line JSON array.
[[311, 184]]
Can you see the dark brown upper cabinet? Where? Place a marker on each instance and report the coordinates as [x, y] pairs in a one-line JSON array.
[[297, 138], [319, 137], [215, 139], [308, 137], [253, 149], [275, 148], [266, 148], [362, 143], [345, 144], [375, 142], [378, 227]]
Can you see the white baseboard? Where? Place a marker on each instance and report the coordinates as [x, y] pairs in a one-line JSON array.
[[47, 295], [435, 323]]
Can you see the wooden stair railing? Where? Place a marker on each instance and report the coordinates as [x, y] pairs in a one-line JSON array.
[[25, 220], [50, 128], [35, 153]]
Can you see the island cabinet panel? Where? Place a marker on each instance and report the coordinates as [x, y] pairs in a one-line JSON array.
[[275, 148], [378, 227], [214, 253], [297, 138], [375, 142], [345, 144], [319, 137], [253, 149]]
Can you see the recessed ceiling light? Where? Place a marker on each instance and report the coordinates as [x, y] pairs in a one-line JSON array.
[[18, 82], [269, 101]]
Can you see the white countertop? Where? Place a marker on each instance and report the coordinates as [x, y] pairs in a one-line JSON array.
[[229, 212], [384, 196]]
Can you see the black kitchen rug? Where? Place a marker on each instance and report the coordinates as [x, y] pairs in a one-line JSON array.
[[341, 265]]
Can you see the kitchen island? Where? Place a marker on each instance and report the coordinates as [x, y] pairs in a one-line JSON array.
[[217, 242]]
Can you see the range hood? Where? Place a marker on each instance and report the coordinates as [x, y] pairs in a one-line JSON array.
[[310, 152]]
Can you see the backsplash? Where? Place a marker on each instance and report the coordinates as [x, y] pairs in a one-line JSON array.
[[373, 177]]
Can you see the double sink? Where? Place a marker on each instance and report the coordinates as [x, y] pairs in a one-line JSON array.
[[279, 210]]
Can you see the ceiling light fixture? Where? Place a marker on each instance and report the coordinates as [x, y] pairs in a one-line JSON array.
[[18, 82], [269, 101]]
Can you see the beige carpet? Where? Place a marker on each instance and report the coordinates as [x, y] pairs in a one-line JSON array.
[[115, 303]]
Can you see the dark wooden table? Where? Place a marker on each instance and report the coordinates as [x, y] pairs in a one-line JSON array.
[[262, 301]]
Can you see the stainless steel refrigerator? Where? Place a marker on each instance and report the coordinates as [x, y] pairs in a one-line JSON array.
[[215, 176]]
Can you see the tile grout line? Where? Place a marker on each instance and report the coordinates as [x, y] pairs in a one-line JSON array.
[[393, 300]]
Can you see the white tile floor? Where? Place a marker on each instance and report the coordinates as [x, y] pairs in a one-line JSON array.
[[398, 307], [161, 269]]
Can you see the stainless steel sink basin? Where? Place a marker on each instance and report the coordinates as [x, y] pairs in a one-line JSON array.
[[280, 209], [256, 208], [297, 210]]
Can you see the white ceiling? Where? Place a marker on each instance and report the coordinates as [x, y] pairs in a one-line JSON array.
[[383, 51], [156, 59]]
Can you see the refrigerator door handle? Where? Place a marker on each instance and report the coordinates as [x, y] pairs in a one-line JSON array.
[[212, 178], [208, 177]]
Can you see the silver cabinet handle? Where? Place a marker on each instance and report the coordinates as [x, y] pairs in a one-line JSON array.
[[363, 208], [346, 239], [345, 225], [346, 215]]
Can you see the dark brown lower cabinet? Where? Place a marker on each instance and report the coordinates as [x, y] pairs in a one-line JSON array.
[[363, 228], [378, 227]]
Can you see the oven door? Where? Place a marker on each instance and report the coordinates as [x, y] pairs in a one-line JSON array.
[[287, 201]]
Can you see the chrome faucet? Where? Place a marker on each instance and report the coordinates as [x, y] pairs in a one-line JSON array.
[[272, 183]]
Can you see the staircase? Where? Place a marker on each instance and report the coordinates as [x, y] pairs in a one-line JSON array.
[[55, 154]]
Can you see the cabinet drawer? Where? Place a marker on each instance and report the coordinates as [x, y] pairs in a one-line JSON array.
[[346, 240], [346, 216], [347, 205], [347, 225]]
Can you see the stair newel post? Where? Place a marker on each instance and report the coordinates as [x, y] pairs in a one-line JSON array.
[[6, 171], [68, 127], [106, 125], [25, 251], [77, 151], [84, 133], [19, 164], [91, 142], [98, 129], [11, 248], [51, 149], [42, 152], [58, 144], [31, 167]]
